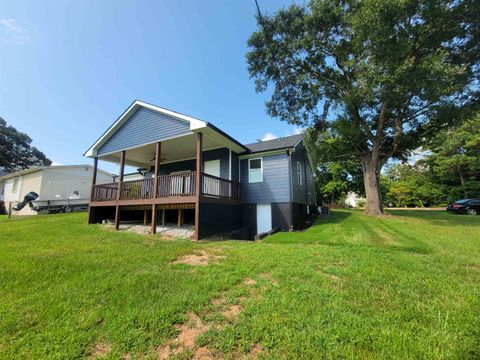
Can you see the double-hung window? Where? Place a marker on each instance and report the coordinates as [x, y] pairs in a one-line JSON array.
[[255, 170]]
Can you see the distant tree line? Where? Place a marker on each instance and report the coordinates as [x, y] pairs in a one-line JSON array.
[[450, 171]]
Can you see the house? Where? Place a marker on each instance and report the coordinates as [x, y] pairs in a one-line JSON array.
[[194, 173], [2, 187], [353, 199], [60, 182]]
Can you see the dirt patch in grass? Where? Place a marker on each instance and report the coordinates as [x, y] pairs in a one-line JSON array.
[[219, 301], [333, 277], [185, 344], [188, 333], [100, 350], [202, 353], [269, 277], [255, 351], [201, 258], [473, 267], [232, 312]]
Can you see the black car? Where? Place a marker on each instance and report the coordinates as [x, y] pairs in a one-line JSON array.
[[465, 206]]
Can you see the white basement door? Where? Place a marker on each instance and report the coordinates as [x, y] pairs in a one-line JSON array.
[[264, 218]]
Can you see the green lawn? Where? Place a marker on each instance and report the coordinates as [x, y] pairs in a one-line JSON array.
[[352, 286]]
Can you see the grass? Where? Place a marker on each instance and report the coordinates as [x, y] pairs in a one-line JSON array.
[[352, 286]]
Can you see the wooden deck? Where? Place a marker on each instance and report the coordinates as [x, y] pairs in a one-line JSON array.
[[170, 189]]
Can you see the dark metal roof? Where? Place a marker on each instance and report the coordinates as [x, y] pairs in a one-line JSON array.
[[275, 144]]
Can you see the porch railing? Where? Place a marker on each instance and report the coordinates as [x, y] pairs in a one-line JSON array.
[[137, 189], [104, 192], [177, 185], [182, 184], [217, 187]]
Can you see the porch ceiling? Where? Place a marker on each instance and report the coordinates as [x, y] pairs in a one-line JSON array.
[[181, 148]]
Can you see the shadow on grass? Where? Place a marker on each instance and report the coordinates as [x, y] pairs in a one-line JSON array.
[[438, 217], [336, 217]]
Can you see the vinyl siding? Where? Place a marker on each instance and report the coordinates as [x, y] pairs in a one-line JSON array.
[[298, 191], [26, 183], [62, 182], [305, 193], [275, 186], [310, 183], [235, 167], [145, 126]]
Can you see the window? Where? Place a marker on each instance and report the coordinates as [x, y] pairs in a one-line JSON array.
[[299, 173], [255, 170], [15, 185]]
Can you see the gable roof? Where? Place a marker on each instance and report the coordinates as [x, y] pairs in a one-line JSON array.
[[194, 124], [275, 144]]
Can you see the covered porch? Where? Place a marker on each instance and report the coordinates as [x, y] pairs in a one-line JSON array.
[[174, 178]]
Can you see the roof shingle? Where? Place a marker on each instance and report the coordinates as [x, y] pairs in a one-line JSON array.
[[275, 144]]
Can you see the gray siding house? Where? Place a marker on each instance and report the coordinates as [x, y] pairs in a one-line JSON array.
[[194, 173]]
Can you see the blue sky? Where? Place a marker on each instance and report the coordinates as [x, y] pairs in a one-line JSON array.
[[68, 69]]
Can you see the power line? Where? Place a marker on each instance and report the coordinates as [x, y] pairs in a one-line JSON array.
[[268, 37]]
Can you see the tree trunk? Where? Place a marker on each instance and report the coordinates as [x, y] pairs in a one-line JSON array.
[[371, 179]]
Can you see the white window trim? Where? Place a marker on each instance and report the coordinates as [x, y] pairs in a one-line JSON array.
[[299, 174], [229, 164], [261, 169]]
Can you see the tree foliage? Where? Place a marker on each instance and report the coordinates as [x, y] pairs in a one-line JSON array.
[[406, 185], [16, 152], [337, 169], [384, 73], [456, 158], [450, 172]]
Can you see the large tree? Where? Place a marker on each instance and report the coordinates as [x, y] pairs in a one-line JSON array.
[[16, 152], [385, 73]]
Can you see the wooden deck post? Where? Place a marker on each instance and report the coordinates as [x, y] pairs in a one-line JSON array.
[[198, 183], [158, 152], [94, 177], [94, 182], [119, 189], [145, 216], [163, 217], [180, 213]]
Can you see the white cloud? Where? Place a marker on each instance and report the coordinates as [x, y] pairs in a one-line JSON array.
[[54, 163], [268, 136], [296, 131], [418, 154], [12, 32]]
